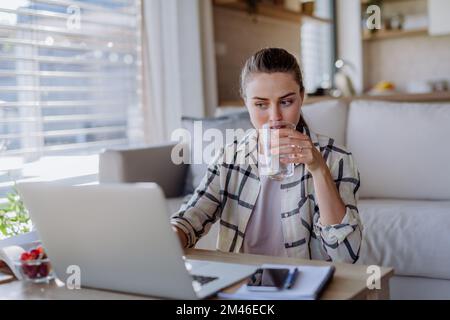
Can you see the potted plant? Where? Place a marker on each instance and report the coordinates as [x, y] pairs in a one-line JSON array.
[[14, 217]]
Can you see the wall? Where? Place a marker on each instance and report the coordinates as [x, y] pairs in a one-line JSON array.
[[407, 60], [349, 45], [174, 74], [438, 11], [208, 58], [237, 37], [401, 60], [190, 57]]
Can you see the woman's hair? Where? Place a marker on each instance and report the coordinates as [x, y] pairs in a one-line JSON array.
[[271, 60]]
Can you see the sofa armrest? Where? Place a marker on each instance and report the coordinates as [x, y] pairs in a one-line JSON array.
[[149, 164]]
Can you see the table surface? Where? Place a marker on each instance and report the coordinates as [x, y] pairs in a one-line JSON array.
[[349, 281]]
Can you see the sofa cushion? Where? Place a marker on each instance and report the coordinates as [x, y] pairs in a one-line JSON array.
[[401, 149], [196, 172], [410, 236], [328, 118], [143, 164], [174, 204]]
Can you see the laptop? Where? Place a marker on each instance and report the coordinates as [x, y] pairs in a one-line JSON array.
[[120, 237]]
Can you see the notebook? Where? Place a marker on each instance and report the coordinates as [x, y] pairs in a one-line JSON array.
[[26, 240], [310, 283]]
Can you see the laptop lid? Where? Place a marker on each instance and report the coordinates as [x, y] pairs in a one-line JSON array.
[[118, 235]]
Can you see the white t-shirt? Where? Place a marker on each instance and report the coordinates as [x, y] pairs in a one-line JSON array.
[[264, 234]]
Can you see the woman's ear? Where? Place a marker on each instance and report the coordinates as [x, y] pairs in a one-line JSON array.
[[302, 95], [244, 101]]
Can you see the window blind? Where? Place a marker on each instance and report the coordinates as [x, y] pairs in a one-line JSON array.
[[70, 79], [317, 48]]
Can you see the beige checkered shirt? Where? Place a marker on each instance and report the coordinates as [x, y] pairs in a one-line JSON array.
[[230, 188]]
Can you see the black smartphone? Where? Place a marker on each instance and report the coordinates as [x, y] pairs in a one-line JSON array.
[[268, 279]]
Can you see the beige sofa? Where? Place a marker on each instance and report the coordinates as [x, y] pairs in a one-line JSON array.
[[403, 153]]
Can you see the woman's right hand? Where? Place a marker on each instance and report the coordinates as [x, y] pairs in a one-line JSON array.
[[181, 236]]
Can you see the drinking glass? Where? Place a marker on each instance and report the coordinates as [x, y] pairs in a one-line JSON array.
[[269, 162]]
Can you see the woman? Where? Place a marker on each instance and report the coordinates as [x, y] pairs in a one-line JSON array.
[[312, 214]]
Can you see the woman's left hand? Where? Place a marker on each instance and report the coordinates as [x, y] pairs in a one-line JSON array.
[[296, 147]]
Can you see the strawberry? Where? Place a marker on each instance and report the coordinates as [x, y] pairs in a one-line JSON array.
[[34, 254], [33, 272], [42, 254], [30, 271], [43, 270], [25, 256]]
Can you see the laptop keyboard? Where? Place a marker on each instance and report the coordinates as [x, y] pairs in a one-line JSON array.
[[203, 279]]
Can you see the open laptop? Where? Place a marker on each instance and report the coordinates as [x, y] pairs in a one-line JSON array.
[[120, 237]]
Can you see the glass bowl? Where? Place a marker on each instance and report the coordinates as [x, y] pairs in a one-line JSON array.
[[36, 270]]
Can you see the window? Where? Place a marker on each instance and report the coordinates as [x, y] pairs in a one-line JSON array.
[[70, 85], [317, 48]]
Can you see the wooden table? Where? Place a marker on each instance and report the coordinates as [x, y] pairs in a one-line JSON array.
[[349, 281]]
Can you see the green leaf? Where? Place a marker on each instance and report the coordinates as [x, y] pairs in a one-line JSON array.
[[14, 218]]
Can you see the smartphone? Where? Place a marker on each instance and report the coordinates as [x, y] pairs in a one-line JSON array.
[[268, 279]]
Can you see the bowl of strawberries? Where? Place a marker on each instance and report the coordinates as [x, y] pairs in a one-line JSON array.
[[35, 266]]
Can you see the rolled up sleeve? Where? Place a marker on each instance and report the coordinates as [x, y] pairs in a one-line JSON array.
[[203, 209], [342, 242]]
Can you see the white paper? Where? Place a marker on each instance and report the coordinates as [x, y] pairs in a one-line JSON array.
[[307, 286], [10, 255], [23, 240]]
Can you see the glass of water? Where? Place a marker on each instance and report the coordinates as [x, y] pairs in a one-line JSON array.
[[269, 161]]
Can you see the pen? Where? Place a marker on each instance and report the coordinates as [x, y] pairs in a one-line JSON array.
[[292, 278]]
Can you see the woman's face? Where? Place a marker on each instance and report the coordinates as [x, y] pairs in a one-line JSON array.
[[273, 97]]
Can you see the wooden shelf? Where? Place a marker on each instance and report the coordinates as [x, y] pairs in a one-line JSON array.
[[389, 34], [231, 103], [366, 2], [271, 11], [443, 96]]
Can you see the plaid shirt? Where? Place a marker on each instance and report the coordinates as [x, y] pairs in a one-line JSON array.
[[230, 189]]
